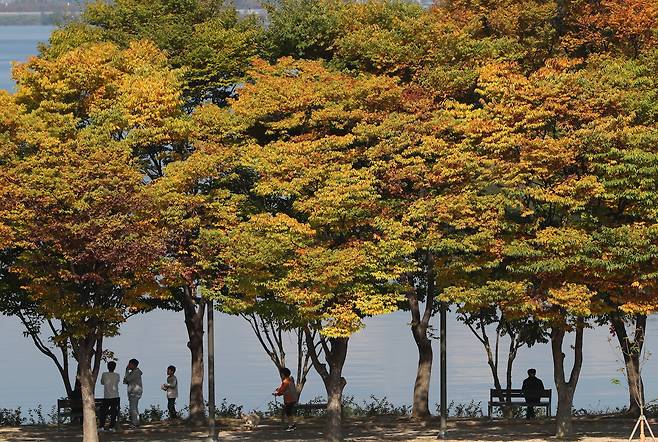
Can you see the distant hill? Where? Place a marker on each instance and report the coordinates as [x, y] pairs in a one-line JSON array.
[[37, 12], [39, 5], [49, 12], [52, 12], [77, 5]]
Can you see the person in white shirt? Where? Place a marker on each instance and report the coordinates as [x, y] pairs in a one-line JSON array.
[[133, 379], [110, 404], [171, 387]]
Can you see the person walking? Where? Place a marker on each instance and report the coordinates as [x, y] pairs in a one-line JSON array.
[[532, 390], [171, 387], [110, 404], [133, 379], [288, 390]]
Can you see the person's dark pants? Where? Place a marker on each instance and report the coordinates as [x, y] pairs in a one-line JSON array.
[[289, 410], [110, 406], [530, 412], [171, 407]]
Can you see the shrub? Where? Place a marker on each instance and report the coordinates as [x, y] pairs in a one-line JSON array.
[[470, 409], [10, 417]]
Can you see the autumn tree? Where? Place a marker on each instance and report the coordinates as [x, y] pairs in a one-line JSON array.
[[324, 246], [15, 300], [305, 29], [84, 252], [548, 188], [563, 212], [608, 26], [624, 92], [584, 29], [208, 40], [78, 214], [212, 47], [198, 200]]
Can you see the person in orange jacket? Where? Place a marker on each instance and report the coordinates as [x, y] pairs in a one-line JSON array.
[[288, 390]]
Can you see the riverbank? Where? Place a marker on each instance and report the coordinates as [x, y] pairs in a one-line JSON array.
[[588, 429]]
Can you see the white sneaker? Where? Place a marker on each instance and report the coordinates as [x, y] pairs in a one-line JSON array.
[[112, 430], [101, 430]]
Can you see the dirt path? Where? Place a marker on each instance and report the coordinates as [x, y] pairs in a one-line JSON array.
[[593, 429]]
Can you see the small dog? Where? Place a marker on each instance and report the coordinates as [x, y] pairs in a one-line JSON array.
[[251, 421]]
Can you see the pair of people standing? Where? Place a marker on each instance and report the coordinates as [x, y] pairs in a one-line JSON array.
[[133, 379], [110, 404]]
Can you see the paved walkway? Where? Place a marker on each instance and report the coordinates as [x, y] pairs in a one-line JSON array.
[[594, 429]]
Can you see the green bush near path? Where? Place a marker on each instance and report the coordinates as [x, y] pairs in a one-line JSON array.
[[372, 407]]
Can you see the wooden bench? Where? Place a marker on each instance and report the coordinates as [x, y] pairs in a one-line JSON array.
[[72, 408], [321, 406], [499, 398]]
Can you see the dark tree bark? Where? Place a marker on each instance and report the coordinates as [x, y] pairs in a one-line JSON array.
[[84, 351], [631, 350], [419, 328], [335, 351], [420, 408], [98, 359], [195, 309], [565, 389], [514, 345]]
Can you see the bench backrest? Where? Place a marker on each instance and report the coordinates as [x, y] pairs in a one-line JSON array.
[[73, 403], [503, 394]]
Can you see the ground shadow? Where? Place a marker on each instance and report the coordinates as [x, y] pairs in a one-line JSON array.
[[381, 428]]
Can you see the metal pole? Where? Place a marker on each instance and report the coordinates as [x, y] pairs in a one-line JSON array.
[[212, 431], [444, 373]]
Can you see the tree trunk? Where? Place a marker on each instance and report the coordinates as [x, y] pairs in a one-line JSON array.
[[420, 409], [511, 356], [334, 382], [334, 387], [84, 352], [565, 389], [419, 326], [564, 418], [632, 352], [194, 313], [492, 355], [98, 359]]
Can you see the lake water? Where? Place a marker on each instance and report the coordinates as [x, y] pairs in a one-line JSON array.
[[381, 361]]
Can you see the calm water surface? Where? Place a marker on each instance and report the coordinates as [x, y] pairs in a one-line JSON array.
[[381, 361]]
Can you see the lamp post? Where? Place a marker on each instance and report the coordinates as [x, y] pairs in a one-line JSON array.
[[212, 431], [444, 372]]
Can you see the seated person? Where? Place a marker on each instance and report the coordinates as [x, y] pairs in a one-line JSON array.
[[532, 390]]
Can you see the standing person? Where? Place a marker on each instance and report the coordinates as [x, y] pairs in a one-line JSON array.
[[532, 390], [171, 387], [110, 383], [133, 378], [288, 390]]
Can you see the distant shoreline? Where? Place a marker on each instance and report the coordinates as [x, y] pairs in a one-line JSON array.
[[52, 18], [35, 18]]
